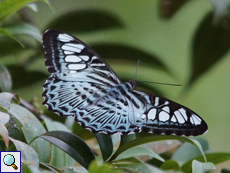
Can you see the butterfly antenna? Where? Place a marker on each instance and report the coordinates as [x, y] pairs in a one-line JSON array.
[[161, 83], [138, 62]]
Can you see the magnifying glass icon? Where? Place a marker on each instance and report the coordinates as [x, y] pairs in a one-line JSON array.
[[9, 160]]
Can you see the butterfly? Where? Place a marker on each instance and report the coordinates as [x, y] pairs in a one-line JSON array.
[[83, 85]]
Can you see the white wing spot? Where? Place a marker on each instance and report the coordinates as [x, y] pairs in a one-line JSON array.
[[97, 65], [173, 119], [183, 112], [179, 117], [94, 57], [143, 116], [73, 47], [68, 52], [72, 58], [166, 109], [72, 72], [84, 57], [195, 120], [152, 114], [163, 116], [65, 38], [166, 103], [156, 101], [76, 66]]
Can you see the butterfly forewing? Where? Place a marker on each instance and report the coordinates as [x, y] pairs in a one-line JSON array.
[[68, 58], [163, 116], [83, 85]]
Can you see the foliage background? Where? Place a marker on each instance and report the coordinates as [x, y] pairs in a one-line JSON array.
[[172, 41]]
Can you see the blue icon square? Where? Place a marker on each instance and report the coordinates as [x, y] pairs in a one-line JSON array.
[[10, 161]]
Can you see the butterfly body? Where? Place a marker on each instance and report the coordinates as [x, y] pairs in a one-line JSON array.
[[83, 85]]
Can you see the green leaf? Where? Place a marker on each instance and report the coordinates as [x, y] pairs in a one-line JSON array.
[[54, 125], [5, 32], [51, 167], [106, 145], [4, 133], [132, 164], [72, 145], [138, 151], [117, 52], [5, 79], [208, 166], [4, 118], [127, 138], [199, 167], [28, 155], [191, 151], [18, 73], [86, 20], [58, 157], [33, 7], [6, 49], [7, 8], [225, 170], [102, 168], [209, 46], [5, 99], [81, 132], [154, 138], [31, 129], [214, 158], [75, 170], [24, 29], [25, 169], [170, 165], [162, 146]]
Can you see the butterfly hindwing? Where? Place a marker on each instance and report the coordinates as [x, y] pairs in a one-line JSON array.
[[83, 85], [109, 115]]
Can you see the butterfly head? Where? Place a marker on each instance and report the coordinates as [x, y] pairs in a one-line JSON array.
[[132, 84]]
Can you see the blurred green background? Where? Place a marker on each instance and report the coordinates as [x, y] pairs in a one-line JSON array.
[[188, 48]]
